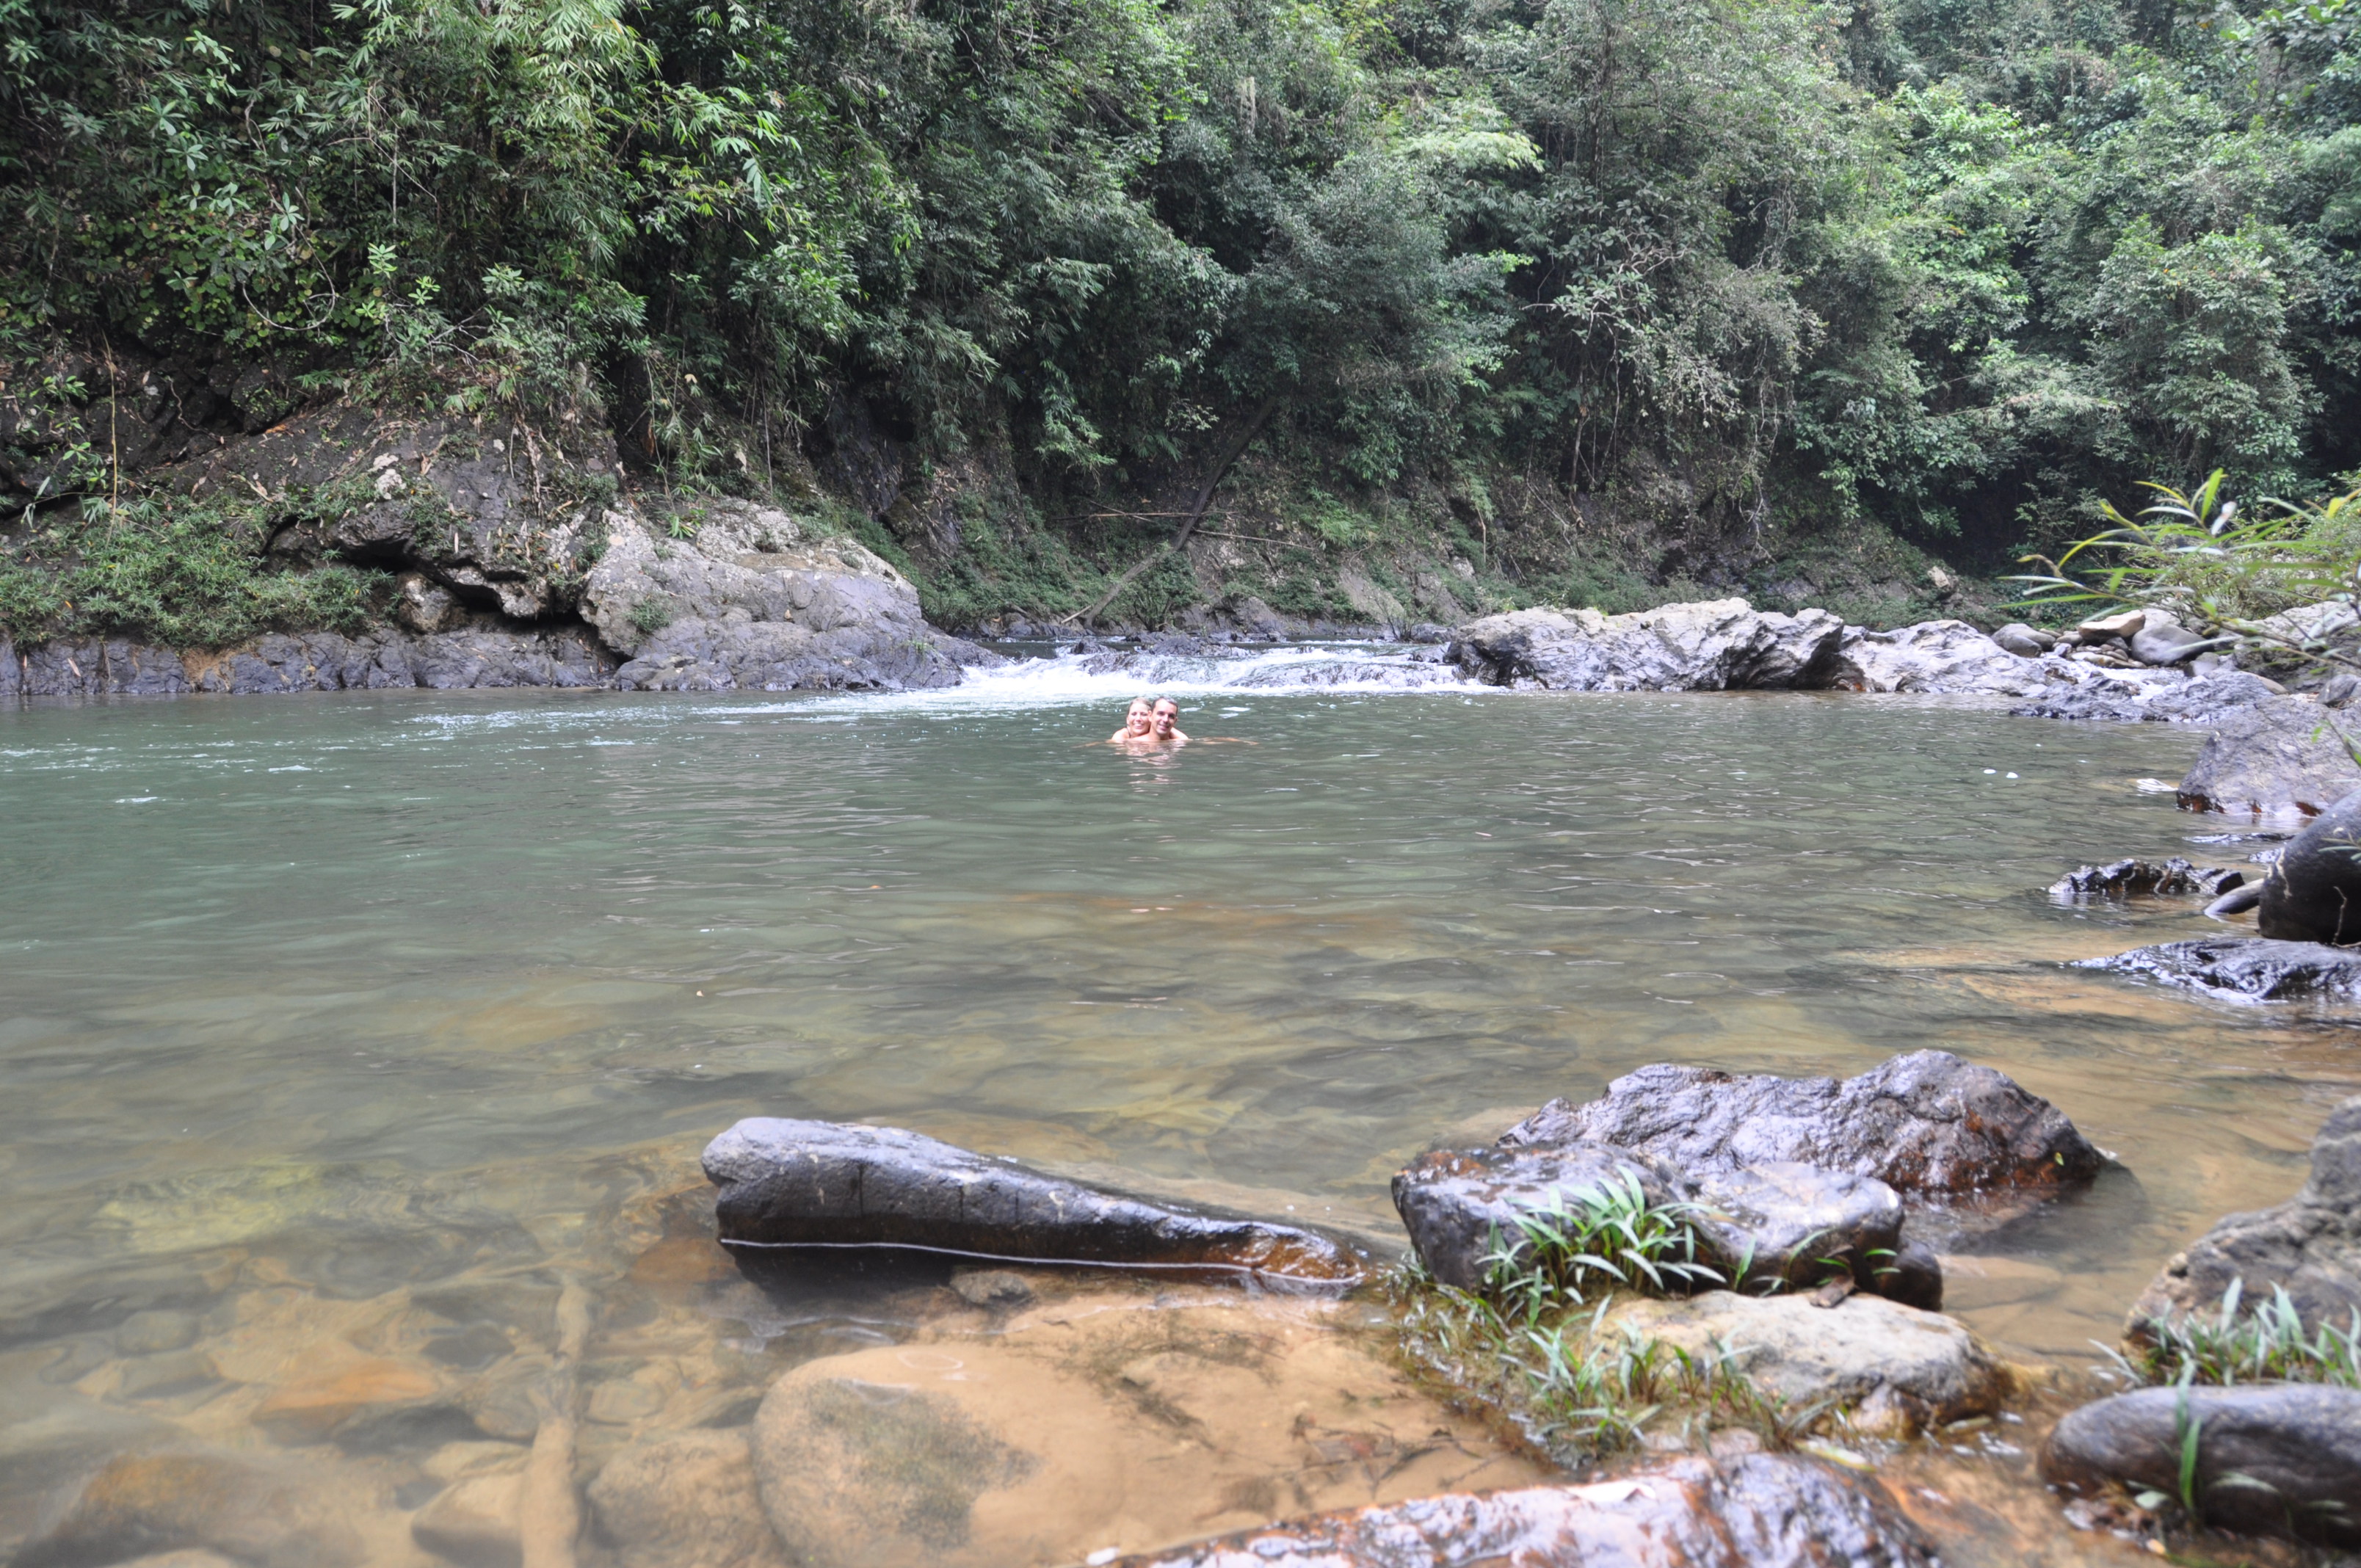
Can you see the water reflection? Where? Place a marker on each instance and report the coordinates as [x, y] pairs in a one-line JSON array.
[[341, 1038]]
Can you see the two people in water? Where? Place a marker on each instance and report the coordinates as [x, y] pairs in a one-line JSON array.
[[1150, 722]]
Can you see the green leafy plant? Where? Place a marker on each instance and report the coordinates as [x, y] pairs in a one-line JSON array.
[[2255, 581], [2228, 1345], [1609, 1236]]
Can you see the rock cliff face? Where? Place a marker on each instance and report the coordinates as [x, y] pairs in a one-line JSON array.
[[520, 562], [1716, 645]]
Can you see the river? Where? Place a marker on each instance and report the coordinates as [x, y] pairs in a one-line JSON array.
[[332, 999]]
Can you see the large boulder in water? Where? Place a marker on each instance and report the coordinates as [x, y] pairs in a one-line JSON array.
[[2244, 968], [2314, 890], [1715, 645], [1930, 1125], [1938, 656], [826, 1184], [752, 601], [2271, 1459], [2281, 756], [2309, 1246], [1757, 1510]]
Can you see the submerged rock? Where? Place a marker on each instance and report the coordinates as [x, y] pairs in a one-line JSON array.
[[1715, 645], [1755, 1510], [1930, 1125], [2135, 877], [790, 1183], [266, 1515], [685, 1501], [2309, 1246], [2245, 968], [2280, 756], [2273, 1458], [1895, 1368], [2312, 892]]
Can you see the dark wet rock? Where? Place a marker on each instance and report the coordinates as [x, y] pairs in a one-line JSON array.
[[1755, 1510], [1716, 645], [2280, 755], [2314, 890], [1894, 1369], [2276, 1459], [1930, 1125], [1764, 1227], [2252, 969], [685, 1501], [791, 1183], [2136, 878], [101, 666], [2023, 641], [2309, 1246], [265, 1516], [2202, 700]]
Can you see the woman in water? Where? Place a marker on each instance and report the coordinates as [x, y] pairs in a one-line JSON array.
[[1136, 723]]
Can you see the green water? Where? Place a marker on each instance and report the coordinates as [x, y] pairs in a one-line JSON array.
[[349, 995]]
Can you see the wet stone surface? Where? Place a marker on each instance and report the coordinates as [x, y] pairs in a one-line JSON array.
[[2244, 968]]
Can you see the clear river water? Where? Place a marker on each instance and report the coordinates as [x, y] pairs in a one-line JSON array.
[[312, 1005]]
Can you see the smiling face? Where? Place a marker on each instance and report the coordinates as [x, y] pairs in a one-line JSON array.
[[1137, 722], [1165, 716]]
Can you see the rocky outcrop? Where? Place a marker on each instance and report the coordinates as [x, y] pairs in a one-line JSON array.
[[1932, 1127], [2312, 892], [387, 658], [1717, 645], [2271, 1459], [1935, 656], [1895, 1370], [1751, 1511], [1774, 1226], [2280, 756], [2244, 968], [2309, 1246], [790, 1183], [2136, 879], [751, 601]]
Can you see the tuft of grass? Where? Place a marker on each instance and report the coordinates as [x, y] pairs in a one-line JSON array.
[[1573, 1385], [1605, 1238], [2226, 1346]]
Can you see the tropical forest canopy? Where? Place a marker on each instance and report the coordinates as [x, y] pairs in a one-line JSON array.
[[1960, 267]]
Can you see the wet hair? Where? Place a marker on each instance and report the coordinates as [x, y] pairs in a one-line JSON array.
[[1141, 702], [1161, 701]]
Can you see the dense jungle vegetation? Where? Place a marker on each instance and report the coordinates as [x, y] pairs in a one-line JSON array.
[[1519, 279]]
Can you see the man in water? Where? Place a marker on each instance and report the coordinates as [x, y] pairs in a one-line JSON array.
[[1164, 722], [1136, 724]]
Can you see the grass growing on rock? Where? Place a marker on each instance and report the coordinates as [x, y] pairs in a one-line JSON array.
[[2225, 1346], [1534, 1343]]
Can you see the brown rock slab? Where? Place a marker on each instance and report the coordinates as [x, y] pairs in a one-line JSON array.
[[311, 1409], [1747, 1511], [685, 1501], [262, 1515]]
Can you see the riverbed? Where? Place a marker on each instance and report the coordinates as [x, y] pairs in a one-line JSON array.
[[318, 1001]]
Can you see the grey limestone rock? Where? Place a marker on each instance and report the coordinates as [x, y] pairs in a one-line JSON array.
[[1935, 656], [1936, 1128], [1755, 1510], [2277, 1459], [793, 1183], [2200, 700], [2279, 756], [2244, 968], [2309, 1246], [2023, 641], [1714, 645]]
